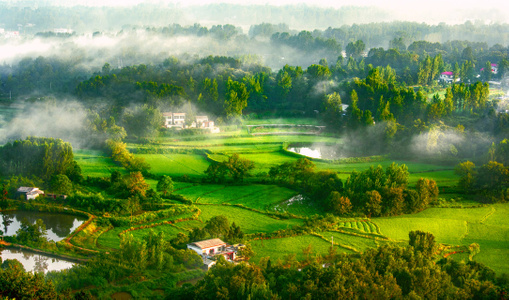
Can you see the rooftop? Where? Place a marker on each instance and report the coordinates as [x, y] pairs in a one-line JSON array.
[[209, 243]]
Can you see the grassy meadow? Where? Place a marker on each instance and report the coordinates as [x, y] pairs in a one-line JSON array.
[[95, 163], [251, 206]]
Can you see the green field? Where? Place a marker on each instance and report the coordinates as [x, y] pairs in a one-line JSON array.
[[176, 164], [249, 221], [488, 226], [358, 243], [95, 163], [282, 247]]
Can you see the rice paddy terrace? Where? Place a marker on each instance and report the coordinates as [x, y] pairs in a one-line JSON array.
[[267, 213]]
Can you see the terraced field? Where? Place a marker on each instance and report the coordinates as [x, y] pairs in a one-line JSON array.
[[488, 226]]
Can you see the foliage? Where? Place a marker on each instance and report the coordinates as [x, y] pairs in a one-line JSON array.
[[61, 184], [384, 272], [31, 233], [165, 185], [15, 283], [235, 166], [41, 157], [120, 154]]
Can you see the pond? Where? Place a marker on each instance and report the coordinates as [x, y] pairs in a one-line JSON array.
[[317, 151], [34, 261], [58, 225]]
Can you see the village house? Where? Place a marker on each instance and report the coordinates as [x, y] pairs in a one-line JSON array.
[[29, 193], [208, 247], [209, 250], [177, 120], [448, 77]]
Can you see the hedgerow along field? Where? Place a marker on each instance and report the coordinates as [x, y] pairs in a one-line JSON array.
[[455, 226]]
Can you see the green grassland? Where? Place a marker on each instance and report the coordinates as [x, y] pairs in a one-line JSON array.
[[282, 247], [176, 164], [297, 121], [249, 221], [488, 226], [95, 163]]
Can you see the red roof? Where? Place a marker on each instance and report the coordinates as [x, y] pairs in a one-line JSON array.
[[447, 73]]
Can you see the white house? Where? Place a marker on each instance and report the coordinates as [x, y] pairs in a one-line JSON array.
[[448, 77], [177, 120], [29, 192], [208, 247]]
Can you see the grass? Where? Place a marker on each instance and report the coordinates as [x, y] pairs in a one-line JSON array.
[[249, 221], [280, 248], [491, 232], [176, 164], [169, 231], [488, 226], [111, 238], [359, 243], [298, 121], [193, 193], [95, 163]]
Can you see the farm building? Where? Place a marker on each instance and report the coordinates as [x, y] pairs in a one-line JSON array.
[[447, 77], [29, 192], [208, 247], [209, 250], [177, 120]]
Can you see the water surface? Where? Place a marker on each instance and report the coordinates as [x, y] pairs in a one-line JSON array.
[[34, 261], [58, 225]]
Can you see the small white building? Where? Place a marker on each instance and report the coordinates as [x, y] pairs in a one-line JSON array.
[[448, 77], [177, 120], [29, 193], [208, 247], [174, 120]]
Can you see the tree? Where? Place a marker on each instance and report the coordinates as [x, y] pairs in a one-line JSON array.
[[31, 233], [423, 242], [133, 205], [136, 184], [61, 184], [237, 167], [236, 98], [427, 190], [333, 110], [217, 226], [466, 171], [142, 121], [165, 185], [373, 206], [15, 283], [340, 205], [486, 71]]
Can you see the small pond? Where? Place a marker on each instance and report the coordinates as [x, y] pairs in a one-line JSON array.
[[34, 261], [58, 225], [317, 151]]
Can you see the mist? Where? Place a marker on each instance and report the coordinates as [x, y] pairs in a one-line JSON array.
[[63, 119]]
